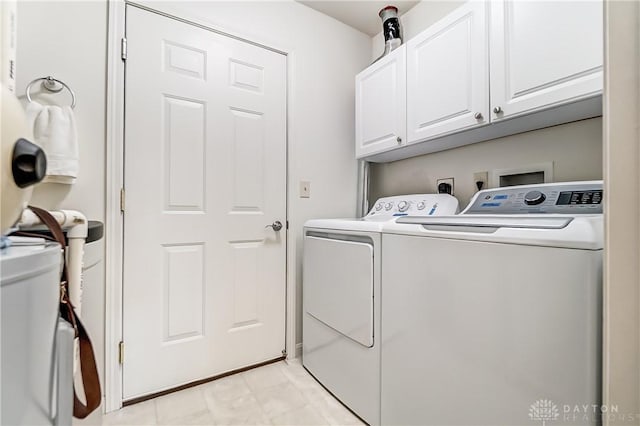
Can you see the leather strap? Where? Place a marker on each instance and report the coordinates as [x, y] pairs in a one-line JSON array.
[[88, 369]]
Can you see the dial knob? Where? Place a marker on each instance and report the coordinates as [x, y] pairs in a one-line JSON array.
[[403, 206], [28, 164], [388, 206], [378, 206], [533, 198], [420, 205]]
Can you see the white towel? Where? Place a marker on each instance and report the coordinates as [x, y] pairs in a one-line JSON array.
[[54, 129]]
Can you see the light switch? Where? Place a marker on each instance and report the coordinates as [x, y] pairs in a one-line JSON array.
[[305, 189]]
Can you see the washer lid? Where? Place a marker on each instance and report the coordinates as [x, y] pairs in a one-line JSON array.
[[579, 232], [495, 222]]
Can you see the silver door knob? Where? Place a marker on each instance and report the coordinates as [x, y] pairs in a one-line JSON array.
[[399, 139], [478, 116], [276, 226], [497, 110]]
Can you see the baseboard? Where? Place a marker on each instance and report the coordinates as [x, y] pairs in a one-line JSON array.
[[197, 382]]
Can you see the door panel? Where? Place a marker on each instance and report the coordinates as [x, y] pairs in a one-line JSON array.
[[205, 172], [544, 53], [447, 73], [184, 132], [183, 291]]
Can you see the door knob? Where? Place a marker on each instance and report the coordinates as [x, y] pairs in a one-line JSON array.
[[478, 116], [276, 226], [497, 110]]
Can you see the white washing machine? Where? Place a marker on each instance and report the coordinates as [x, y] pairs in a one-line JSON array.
[[493, 316], [341, 298]]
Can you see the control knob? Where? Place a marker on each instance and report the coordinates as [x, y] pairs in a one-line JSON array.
[[403, 206], [388, 206], [378, 206], [533, 198], [421, 205]]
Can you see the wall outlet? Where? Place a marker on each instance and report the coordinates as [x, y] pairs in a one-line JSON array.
[[444, 182], [305, 189], [481, 177]]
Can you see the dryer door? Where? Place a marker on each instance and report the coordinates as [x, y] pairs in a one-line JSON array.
[[338, 285]]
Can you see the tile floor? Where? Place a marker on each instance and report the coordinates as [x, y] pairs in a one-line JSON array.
[[277, 394]]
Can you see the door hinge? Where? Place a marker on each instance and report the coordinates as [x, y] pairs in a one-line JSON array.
[[284, 353], [121, 353], [122, 200], [287, 224], [123, 48]]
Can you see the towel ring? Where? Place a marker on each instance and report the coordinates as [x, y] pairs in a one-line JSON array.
[[49, 83]]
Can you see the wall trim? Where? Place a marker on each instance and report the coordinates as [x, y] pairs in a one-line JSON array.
[[115, 181], [621, 292], [113, 216]]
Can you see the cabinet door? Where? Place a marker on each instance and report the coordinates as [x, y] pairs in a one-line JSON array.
[[544, 53], [381, 105], [447, 74]]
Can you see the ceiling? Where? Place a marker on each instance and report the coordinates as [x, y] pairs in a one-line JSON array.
[[361, 15]]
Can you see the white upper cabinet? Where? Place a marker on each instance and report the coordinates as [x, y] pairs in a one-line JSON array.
[[487, 70], [448, 75], [544, 53], [381, 105]]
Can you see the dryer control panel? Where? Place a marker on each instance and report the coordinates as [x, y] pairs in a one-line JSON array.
[[388, 208], [556, 198]]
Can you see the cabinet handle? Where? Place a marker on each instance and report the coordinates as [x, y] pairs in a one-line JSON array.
[[478, 116], [399, 140], [497, 110]]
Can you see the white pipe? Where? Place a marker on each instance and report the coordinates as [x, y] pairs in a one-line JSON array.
[[77, 229], [75, 256], [362, 207]]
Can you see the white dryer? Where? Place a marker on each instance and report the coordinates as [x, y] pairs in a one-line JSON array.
[[341, 298], [493, 316]]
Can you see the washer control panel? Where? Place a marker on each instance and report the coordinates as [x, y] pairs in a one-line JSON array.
[[413, 205], [557, 198]]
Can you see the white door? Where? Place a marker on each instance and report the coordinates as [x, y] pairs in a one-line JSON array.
[[205, 172], [381, 105], [544, 53], [448, 75]]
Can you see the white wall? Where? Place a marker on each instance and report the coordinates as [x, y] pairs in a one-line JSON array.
[[574, 148], [68, 40]]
